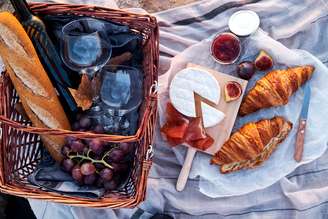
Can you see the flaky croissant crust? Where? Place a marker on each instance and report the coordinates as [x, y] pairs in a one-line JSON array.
[[252, 144], [275, 88]]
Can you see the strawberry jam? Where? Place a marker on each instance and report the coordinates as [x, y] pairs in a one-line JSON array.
[[226, 48]]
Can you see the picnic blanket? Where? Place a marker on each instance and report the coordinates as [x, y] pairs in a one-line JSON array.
[[298, 24]]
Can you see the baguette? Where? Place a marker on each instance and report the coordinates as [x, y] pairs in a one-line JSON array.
[[38, 96]]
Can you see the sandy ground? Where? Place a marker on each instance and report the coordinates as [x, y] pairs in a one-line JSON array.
[[148, 5], [153, 5]]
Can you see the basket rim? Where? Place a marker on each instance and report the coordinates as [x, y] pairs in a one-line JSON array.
[[35, 5]]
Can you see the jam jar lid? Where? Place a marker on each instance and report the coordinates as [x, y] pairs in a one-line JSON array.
[[244, 22]]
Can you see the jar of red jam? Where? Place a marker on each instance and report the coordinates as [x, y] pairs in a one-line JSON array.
[[226, 48]]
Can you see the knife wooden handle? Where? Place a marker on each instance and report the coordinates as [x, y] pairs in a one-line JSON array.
[[299, 145]]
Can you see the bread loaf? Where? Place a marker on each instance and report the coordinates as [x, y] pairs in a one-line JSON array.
[[31, 82]]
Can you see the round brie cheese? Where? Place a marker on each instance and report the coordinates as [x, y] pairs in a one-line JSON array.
[[189, 81]]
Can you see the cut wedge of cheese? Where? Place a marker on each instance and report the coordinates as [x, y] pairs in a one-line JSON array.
[[192, 80], [211, 116]]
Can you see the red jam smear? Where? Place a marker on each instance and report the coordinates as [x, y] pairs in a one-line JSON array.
[[226, 48]]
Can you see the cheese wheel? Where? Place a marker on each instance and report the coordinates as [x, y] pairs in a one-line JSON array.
[[189, 81]]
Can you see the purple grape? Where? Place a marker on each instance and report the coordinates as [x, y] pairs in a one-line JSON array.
[[67, 165], [76, 174], [99, 129], [126, 147], [116, 155], [85, 150], [76, 126], [90, 179], [111, 185], [94, 156], [100, 182], [119, 167], [88, 169], [78, 116], [87, 141], [65, 150], [85, 122], [70, 139], [106, 174], [96, 146], [99, 166], [77, 146]]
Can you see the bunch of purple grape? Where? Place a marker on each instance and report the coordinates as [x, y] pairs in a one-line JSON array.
[[97, 163]]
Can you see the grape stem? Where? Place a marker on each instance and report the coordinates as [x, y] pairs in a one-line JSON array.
[[92, 160]]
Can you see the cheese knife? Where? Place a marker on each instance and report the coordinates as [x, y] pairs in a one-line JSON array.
[[300, 136]]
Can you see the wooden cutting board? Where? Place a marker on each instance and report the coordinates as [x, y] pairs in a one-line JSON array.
[[221, 132]]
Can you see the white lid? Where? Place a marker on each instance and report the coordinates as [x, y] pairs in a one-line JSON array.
[[244, 22]]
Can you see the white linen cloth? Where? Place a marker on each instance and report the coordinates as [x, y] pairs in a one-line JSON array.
[[281, 162], [302, 194]]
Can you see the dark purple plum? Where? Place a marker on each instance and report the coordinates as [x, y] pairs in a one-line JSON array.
[[246, 70]]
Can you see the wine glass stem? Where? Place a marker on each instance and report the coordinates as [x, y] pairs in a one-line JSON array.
[[91, 72], [117, 121]]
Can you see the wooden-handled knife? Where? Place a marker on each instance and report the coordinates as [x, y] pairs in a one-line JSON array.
[[300, 136]]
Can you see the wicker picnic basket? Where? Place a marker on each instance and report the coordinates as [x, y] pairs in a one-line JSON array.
[[20, 144]]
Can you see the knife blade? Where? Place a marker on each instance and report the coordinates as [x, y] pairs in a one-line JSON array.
[[300, 136]]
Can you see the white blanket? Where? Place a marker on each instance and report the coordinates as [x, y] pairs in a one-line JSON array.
[[281, 163], [299, 24]]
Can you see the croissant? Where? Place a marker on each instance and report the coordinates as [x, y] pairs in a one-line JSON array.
[[275, 88], [252, 144]]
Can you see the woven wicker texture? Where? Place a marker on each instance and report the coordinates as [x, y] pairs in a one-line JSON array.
[[20, 145]]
